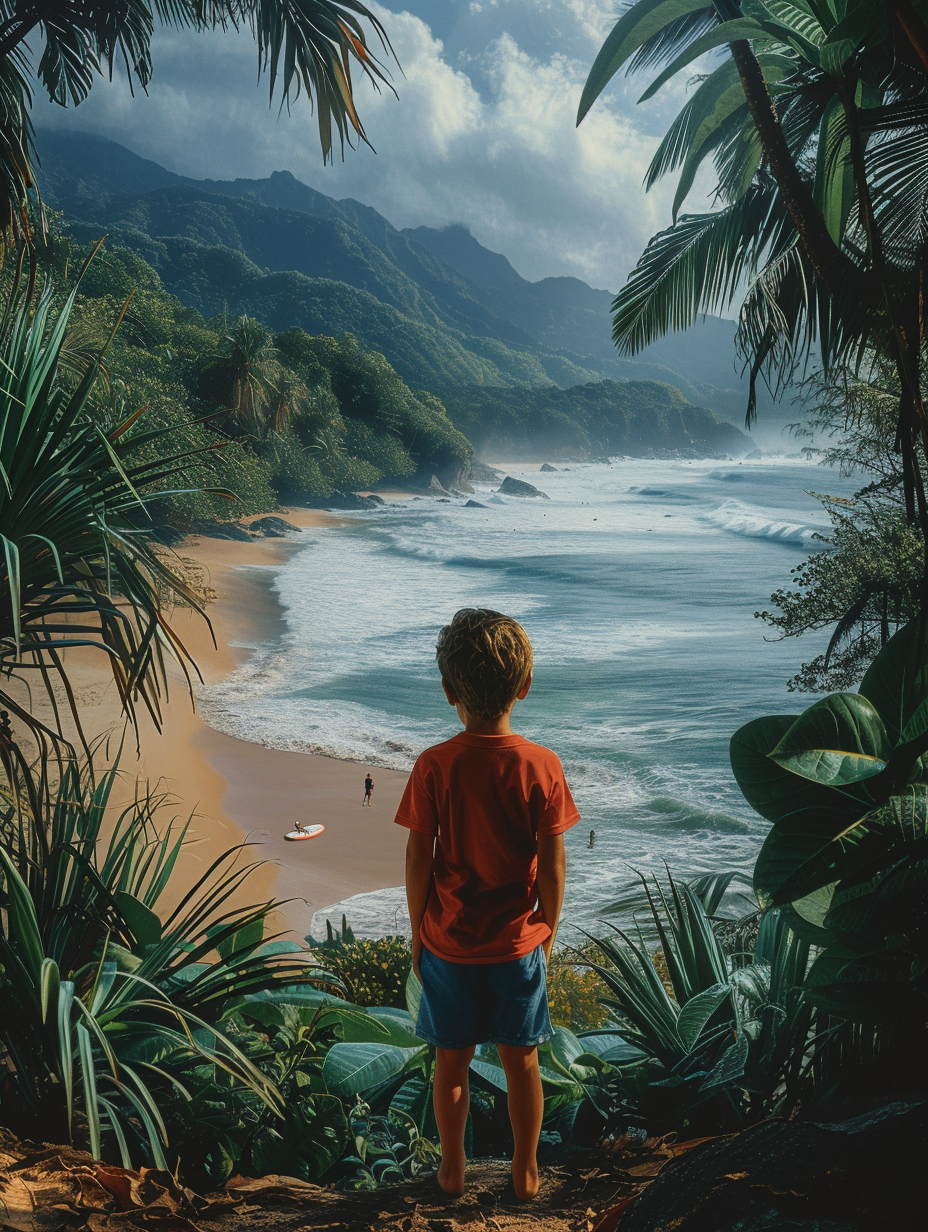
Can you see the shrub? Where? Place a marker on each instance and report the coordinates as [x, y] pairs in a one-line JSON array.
[[374, 972], [574, 991]]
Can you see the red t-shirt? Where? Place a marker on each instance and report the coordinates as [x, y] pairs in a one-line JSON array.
[[486, 799]]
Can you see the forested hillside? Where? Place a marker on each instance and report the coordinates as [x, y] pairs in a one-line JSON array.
[[440, 306], [639, 418], [273, 417]]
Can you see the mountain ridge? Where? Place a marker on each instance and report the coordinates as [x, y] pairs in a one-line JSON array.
[[555, 331]]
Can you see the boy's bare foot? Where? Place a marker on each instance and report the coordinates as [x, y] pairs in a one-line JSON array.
[[525, 1180], [451, 1176]]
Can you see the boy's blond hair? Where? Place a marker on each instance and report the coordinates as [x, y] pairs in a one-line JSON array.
[[486, 660]]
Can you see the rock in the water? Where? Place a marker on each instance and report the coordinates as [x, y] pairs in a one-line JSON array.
[[547, 467], [484, 474], [222, 530], [473, 505], [347, 500], [518, 487], [271, 528], [437, 486]]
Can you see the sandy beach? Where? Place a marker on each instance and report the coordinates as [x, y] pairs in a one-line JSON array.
[[240, 791]]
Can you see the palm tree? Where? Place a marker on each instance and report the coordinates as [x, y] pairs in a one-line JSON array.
[[246, 371], [76, 563], [303, 45], [816, 120]]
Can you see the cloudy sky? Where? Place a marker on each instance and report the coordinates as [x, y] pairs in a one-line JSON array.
[[482, 132]]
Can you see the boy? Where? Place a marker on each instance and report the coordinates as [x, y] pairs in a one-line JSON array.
[[486, 812]]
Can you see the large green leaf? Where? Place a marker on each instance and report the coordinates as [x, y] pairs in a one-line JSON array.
[[697, 1012], [384, 1026], [834, 175], [791, 847], [24, 937], [413, 994], [800, 856], [917, 725], [777, 793], [640, 23], [891, 904], [720, 36], [861, 22], [323, 1134], [896, 682], [870, 988], [352, 1069], [717, 99], [143, 922], [838, 741], [610, 1046]]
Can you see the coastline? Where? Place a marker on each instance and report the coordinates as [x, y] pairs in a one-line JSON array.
[[242, 792]]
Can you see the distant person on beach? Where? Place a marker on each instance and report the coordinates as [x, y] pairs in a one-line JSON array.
[[368, 791], [486, 813]]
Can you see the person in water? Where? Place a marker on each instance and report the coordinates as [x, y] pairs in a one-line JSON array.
[[486, 813], [368, 791]]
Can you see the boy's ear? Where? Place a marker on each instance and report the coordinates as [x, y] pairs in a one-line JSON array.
[[452, 700], [525, 688]]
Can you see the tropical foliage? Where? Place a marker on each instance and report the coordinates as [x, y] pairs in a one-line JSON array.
[[813, 115], [268, 417], [845, 786], [304, 48], [77, 567], [374, 971], [723, 1038], [113, 992], [867, 586]]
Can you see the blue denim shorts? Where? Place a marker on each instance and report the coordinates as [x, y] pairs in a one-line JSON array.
[[484, 1003]]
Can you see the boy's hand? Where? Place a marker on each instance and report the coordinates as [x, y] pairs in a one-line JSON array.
[[552, 867], [419, 850]]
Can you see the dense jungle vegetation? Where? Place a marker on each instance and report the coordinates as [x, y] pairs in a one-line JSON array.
[[186, 1037]]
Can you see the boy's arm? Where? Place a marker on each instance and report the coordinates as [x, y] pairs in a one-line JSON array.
[[419, 849], [552, 868]]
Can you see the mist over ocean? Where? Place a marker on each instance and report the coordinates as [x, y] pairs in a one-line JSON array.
[[637, 583]]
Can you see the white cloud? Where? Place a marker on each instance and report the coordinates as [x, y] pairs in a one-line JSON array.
[[493, 147]]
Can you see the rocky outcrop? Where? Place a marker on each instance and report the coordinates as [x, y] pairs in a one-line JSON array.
[[518, 487], [484, 474], [271, 528], [847, 1176], [472, 504], [347, 501], [547, 467], [221, 530]]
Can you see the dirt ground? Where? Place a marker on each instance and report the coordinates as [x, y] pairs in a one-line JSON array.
[[55, 1189]]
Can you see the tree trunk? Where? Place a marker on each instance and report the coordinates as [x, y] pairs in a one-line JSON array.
[[835, 270]]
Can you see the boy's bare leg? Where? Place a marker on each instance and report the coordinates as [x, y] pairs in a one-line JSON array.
[[451, 1099], [526, 1109]]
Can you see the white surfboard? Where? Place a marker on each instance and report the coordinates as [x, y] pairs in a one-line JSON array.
[[307, 832]]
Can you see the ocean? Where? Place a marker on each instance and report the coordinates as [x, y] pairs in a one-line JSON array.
[[637, 582]]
